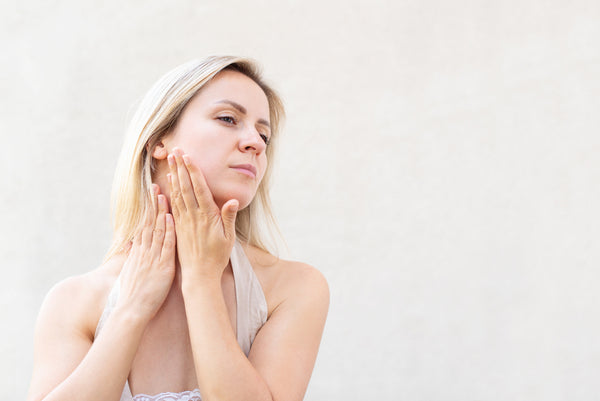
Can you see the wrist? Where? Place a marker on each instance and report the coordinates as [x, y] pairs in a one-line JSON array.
[[131, 317], [201, 271], [193, 283]]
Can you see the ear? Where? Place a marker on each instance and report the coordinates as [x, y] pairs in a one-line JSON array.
[[160, 151]]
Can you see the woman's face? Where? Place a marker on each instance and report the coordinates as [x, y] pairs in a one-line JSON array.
[[225, 129]]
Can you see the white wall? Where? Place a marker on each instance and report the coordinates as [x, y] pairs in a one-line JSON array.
[[440, 166]]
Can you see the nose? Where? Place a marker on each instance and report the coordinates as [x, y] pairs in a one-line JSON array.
[[251, 141]]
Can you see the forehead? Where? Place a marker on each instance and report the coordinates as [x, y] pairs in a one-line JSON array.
[[236, 87]]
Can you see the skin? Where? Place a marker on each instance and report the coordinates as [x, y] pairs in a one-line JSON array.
[[173, 328]]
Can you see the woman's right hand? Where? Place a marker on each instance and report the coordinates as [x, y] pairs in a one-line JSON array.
[[149, 269]]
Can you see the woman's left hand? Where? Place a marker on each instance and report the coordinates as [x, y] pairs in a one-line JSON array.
[[205, 234]]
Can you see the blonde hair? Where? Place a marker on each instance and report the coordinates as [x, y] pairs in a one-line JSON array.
[[155, 117]]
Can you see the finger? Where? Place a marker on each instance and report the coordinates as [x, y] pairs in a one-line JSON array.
[[155, 192], [144, 222], [150, 213], [185, 182], [168, 246], [158, 234], [137, 238], [127, 247], [228, 215], [159, 192], [149, 220], [202, 193], [176, 199]]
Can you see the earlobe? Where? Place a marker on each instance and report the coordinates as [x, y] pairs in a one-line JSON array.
[[160, 151]]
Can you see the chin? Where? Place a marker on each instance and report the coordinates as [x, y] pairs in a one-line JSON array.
[[243, 197]]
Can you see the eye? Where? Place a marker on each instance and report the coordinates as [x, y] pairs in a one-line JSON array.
[[227, 119], [265, 138]]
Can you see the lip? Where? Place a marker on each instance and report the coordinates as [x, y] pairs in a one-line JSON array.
[[247, 169]]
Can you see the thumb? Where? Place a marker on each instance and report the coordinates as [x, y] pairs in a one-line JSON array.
[[228, 214]]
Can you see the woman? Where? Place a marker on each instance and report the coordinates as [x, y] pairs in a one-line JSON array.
[[188, 302]]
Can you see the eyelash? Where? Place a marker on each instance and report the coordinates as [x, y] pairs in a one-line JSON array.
[[231, 120]]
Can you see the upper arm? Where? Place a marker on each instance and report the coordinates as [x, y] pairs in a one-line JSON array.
[[62, 336], [285, 349]]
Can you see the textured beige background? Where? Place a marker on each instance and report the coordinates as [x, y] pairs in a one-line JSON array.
[[440, 166]]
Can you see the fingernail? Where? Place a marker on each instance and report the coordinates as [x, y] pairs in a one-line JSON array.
[[169, 177], [161, 199], [170, 159], [186, 160]]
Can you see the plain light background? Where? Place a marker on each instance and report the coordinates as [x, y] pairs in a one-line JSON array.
[[439, 165]]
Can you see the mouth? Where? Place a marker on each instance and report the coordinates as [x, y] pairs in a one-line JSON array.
[[247, 169]]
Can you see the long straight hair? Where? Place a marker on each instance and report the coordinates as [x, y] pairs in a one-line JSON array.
[[155, 117]]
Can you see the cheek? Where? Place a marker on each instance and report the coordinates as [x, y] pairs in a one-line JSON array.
[[206, 163], [201, 152], [264, 164]]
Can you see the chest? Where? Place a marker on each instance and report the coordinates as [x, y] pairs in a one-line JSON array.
[[164, 360]]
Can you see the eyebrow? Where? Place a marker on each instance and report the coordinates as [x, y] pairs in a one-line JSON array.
[[243, 110]]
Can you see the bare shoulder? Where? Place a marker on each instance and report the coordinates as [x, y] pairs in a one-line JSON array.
[[78, 301], [285, 280], [298, 300], [66, 326]]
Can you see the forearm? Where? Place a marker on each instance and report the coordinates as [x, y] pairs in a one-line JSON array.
[[223, 370], [102, 373]]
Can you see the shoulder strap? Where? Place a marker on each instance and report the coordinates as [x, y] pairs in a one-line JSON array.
[[250, 298]]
